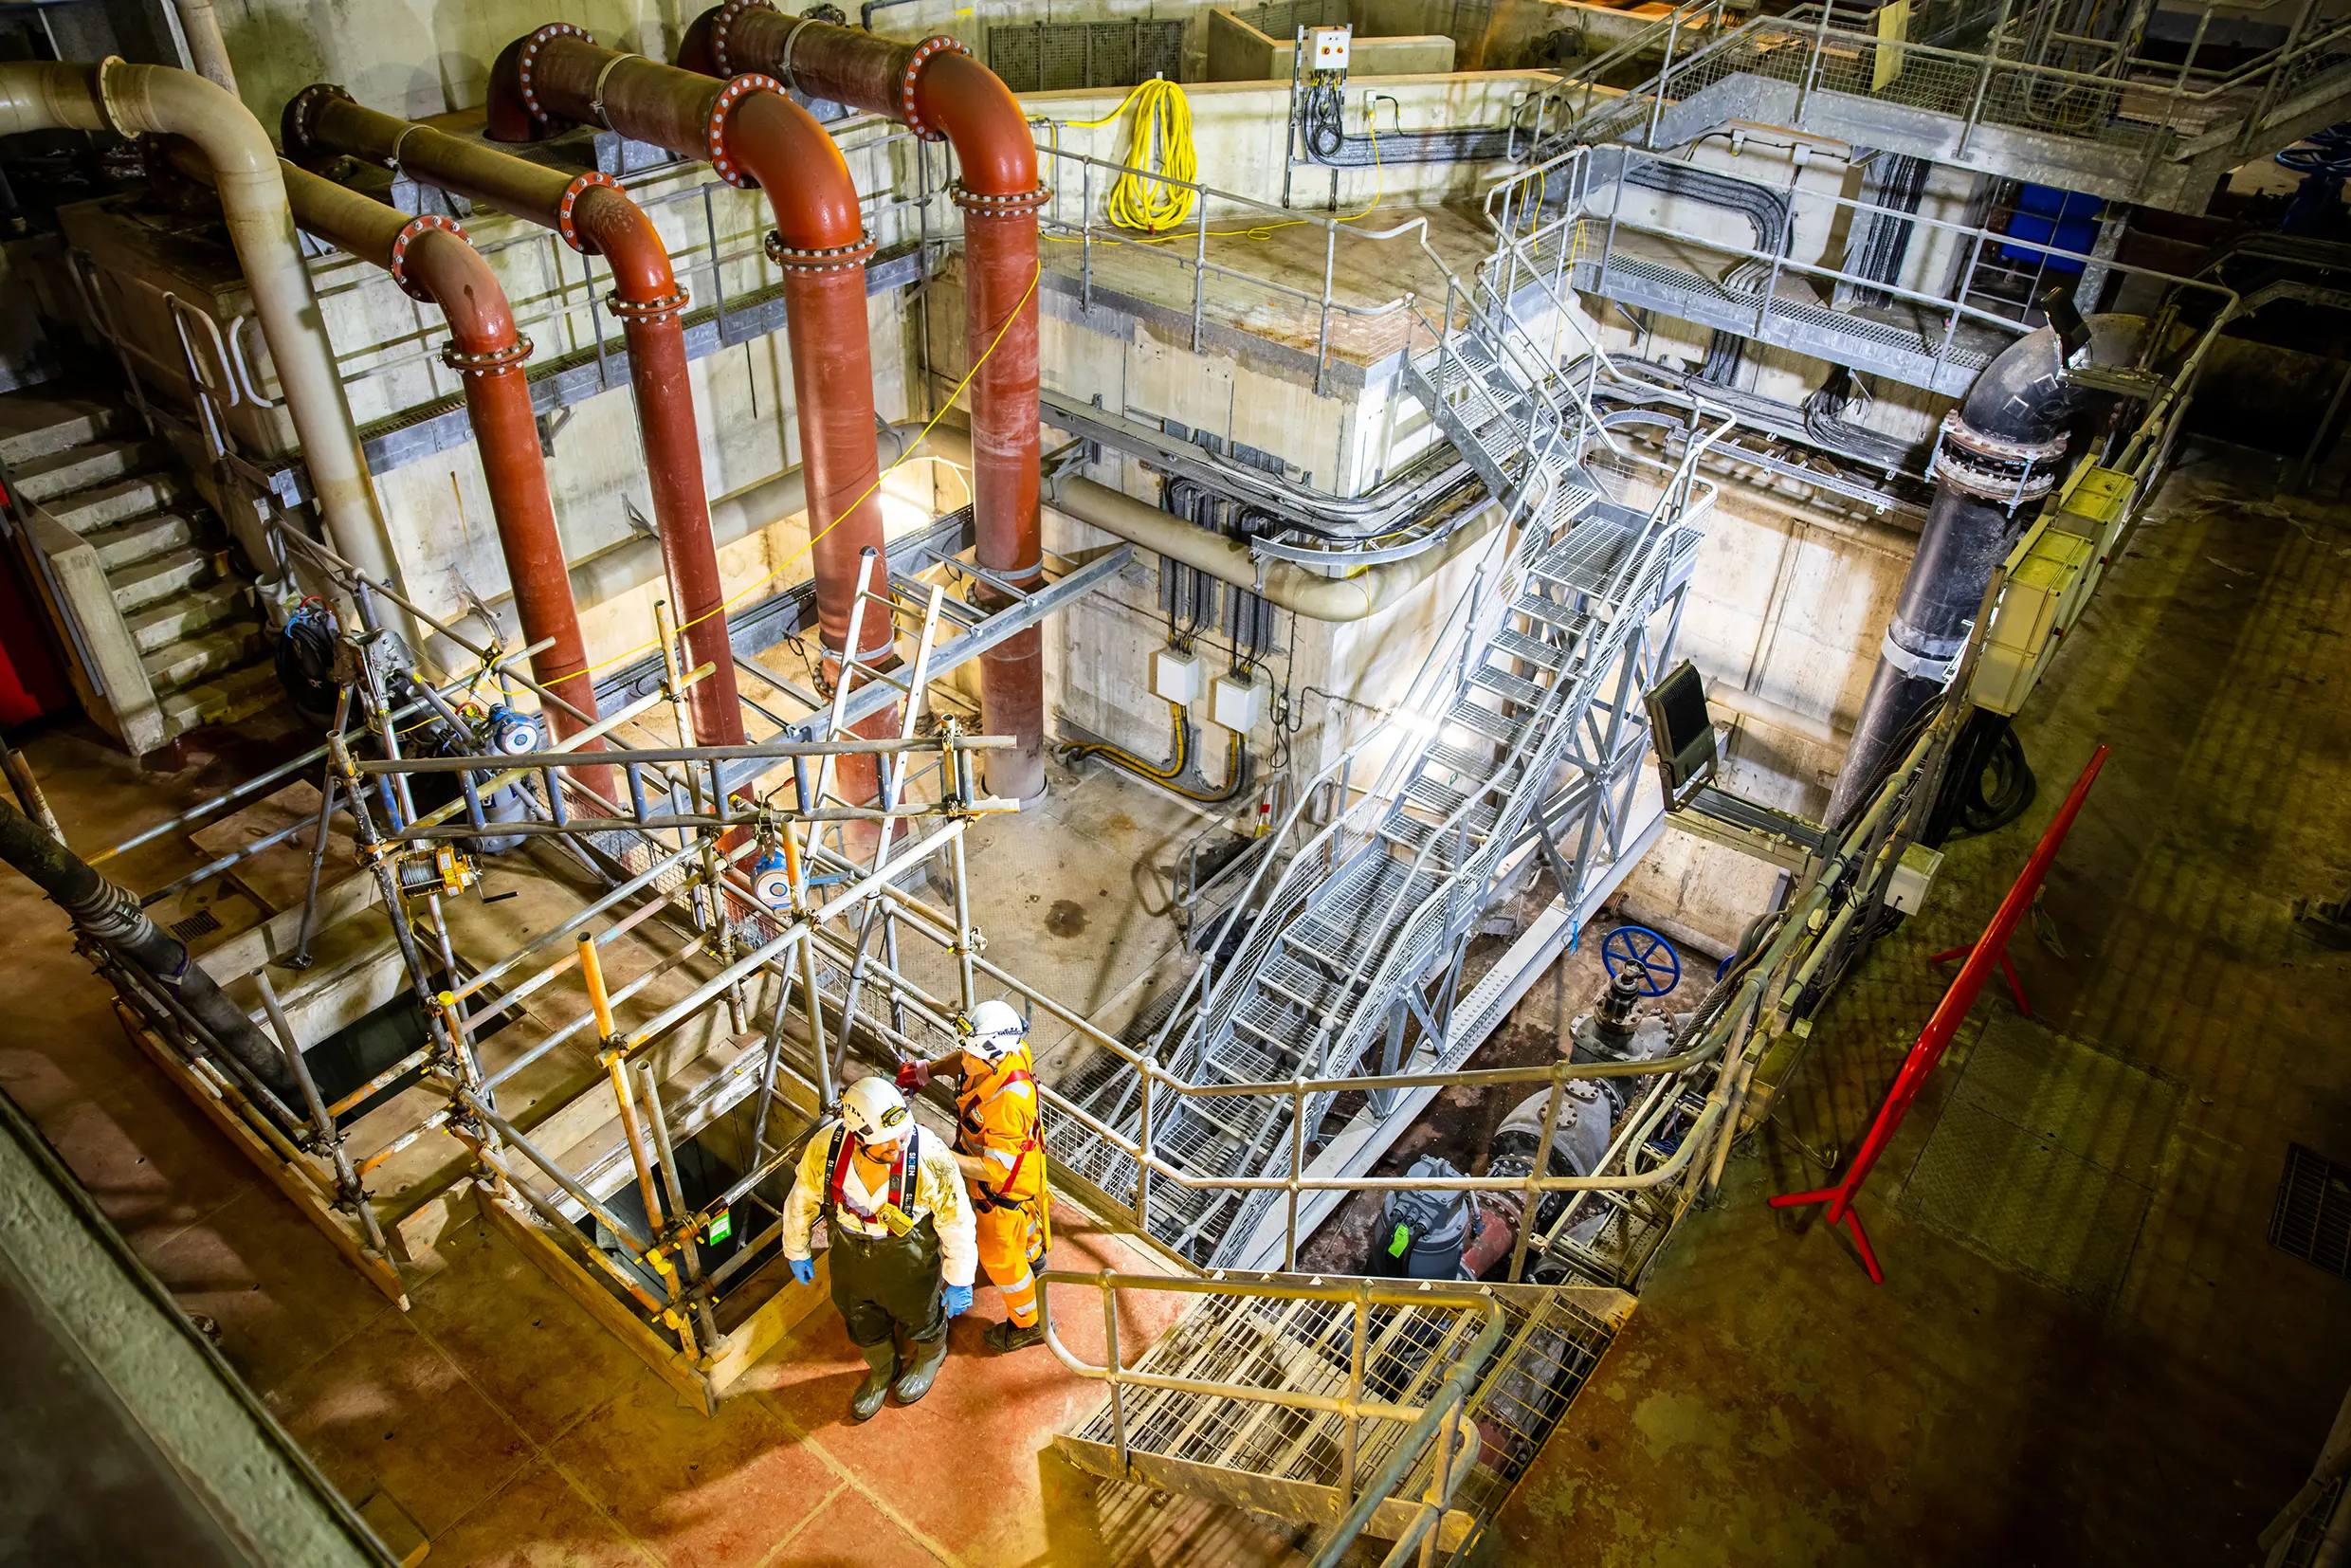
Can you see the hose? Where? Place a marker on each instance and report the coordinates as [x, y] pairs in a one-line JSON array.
[[1986, 785], [1326, 117]]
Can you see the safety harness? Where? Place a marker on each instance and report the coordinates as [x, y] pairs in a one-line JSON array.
[[984, 1201], [897, 1214]]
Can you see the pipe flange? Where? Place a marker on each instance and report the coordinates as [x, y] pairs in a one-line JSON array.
[[714, 133], [1960, 433], [295, 126], [528, 56], [408, 236], [722, 19], [488, 362], [106, 110], [935, 45], [2006, 473], [997, 206], [832, 258], [571, 194], [649, 310]]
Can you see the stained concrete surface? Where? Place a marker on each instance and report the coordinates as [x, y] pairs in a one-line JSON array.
[[1768, 1404]]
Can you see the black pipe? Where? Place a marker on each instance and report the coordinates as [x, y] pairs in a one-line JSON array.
[[111, 914], [2000, 452]]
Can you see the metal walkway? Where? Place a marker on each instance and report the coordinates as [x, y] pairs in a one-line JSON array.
[[2082, 114]]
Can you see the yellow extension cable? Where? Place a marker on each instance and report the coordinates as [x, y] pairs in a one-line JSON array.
[[1161, 145]]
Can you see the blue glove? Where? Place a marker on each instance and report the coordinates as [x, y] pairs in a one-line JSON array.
[[958, 1300], [804, 1270]]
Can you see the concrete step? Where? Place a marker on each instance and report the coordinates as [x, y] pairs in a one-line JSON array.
[[95, 463], [33, 426], [183, 615], [128, 543], [116, 500], [206, 655], [233, 695], [144, 582]]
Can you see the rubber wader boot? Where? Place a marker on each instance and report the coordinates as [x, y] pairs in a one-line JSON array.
[[1007, 1336], [928, 1358], [866, 1401]]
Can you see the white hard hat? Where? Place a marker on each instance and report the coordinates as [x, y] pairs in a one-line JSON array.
[[991, 1028], [875, 1112]]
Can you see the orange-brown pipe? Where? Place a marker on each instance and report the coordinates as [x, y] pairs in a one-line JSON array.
[[940, 91], [595, 218], [431, 260], [753, 136]]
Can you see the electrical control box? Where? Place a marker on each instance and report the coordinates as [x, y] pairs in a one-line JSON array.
[[1176, 676], [1914, 876], [1237, 703], [1326, 48]]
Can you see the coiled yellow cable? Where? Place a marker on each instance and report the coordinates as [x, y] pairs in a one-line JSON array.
[[1162, 144]]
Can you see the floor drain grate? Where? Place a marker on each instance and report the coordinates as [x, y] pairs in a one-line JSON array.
[[2312, 1219], [202, 923]]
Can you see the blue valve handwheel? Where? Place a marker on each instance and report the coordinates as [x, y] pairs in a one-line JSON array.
[[1637, 946]]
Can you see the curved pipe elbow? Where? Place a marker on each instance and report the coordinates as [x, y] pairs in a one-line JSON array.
[[616, 228], [509, 117], [461, 282], [2023, 395], [801, 168], [983, 120]]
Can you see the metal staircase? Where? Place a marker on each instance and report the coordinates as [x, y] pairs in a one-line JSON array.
[[1394, 1407], [2029, 101], [1523, 735]]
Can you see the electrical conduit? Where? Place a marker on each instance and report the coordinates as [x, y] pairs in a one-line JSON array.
[[937, 89], [754, 135], [595, 218]]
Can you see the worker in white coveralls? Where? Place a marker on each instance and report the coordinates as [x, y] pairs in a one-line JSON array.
[[904, 1247], [1000, 1144]]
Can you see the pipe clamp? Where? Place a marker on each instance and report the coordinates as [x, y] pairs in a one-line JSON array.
[[936, 44], [596, 94], [714, 133], [1916, 666], [414, 229]]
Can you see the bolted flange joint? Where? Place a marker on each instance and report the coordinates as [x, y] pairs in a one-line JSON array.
[[490, 362], [722, 22], [528, 56], [2007, 473], [936, 44], [409, 233], [835, 258], [564, 209], [649, 310], [714, 135], [988, 205], [297, 125]]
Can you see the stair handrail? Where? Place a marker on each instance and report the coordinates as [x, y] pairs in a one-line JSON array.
[[1438, 1422]]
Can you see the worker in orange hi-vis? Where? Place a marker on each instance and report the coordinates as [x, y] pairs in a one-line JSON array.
[[1000, 1147]]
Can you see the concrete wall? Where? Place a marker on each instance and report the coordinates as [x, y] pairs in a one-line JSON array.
[[1238, 52]]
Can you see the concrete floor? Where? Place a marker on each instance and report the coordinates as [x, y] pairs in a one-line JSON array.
[[501, 1419], [1769, 1405]]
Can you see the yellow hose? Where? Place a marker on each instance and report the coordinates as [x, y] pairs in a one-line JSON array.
[[1161, 144]]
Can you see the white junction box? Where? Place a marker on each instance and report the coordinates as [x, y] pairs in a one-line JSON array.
[[1913, 878], [1176, 676], [1326, 48], [1238, 703]]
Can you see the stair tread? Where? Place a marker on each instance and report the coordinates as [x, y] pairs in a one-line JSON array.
[[168, 619], [140, 538], [85, 511], [69, 471], [208, 653], [152, 577], [32, 427]]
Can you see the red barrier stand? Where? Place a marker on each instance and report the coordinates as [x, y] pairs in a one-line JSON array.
[[1989, 948]]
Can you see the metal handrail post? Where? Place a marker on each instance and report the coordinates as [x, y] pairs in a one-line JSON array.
[[1811, 65], [1322, 334], [1664, 80], [1298, 1171], [1983, 81]]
